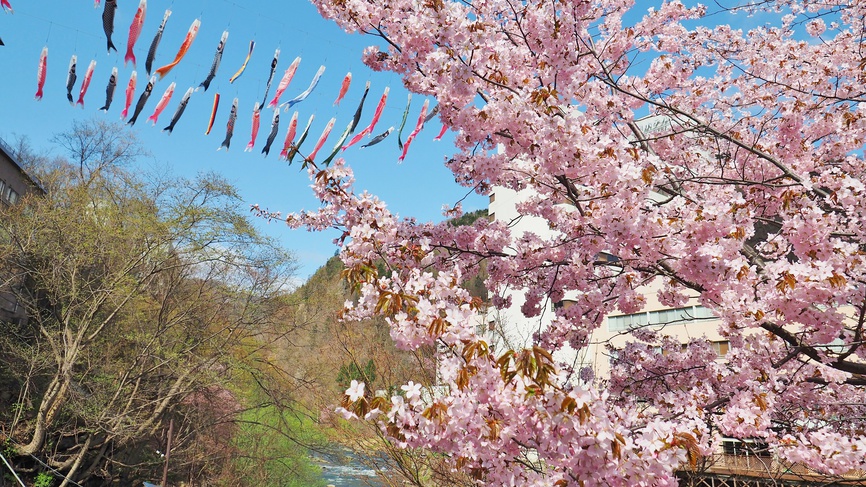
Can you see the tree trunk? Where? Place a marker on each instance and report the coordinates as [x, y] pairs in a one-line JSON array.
[[95, 463], [78, 461], [48, 409]]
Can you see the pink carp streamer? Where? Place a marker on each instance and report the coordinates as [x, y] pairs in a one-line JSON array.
[[322, 138], [297, 145], [290, 137], [415, 132], [135, 32], [85, 84], [130, 93], [284, 83], [163, 102], [442, 132], [369, 129], [344, 88], [257, 120], [41, 72]]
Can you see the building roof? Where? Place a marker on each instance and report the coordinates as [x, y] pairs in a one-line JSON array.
[[8, 153]]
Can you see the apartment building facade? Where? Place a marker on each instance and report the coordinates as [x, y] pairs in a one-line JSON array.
[[510, 327], [738, 462], [15, 183]]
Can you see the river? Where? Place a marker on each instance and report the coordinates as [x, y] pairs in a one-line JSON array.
[[342, 468]]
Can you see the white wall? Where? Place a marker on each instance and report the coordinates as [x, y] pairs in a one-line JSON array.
[[514, 330]]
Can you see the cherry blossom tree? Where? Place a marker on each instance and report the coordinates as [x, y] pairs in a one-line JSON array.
[[750, 195]]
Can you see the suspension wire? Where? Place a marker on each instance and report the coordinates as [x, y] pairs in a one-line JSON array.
[[55, 472], [13, 471]]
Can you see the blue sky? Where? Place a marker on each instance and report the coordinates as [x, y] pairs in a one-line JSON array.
[[416, 188]]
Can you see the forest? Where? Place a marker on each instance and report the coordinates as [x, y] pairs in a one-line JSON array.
[[165, 337]]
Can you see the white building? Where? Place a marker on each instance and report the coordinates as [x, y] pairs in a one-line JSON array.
[[512, 329], [749, 459]]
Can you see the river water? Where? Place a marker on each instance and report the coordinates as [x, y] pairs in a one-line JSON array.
[[342, 468]]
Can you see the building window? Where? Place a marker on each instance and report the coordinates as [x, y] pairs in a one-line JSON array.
[[665, 316], [626, 322], [746, 447], [658, 318], [605, 258], [702, 313], [7, 193], [721, 348]]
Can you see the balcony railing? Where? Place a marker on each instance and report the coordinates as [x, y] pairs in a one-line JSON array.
[[769, 467]]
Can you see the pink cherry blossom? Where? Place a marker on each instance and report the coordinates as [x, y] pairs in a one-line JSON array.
[[355, 390], [716, 156]]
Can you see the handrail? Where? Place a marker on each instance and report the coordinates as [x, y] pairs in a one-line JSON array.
[[765, 467]]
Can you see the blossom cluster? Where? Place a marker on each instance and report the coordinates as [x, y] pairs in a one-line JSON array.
[[748, 193]]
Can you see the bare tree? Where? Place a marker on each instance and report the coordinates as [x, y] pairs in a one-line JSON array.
[[143, 299]]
